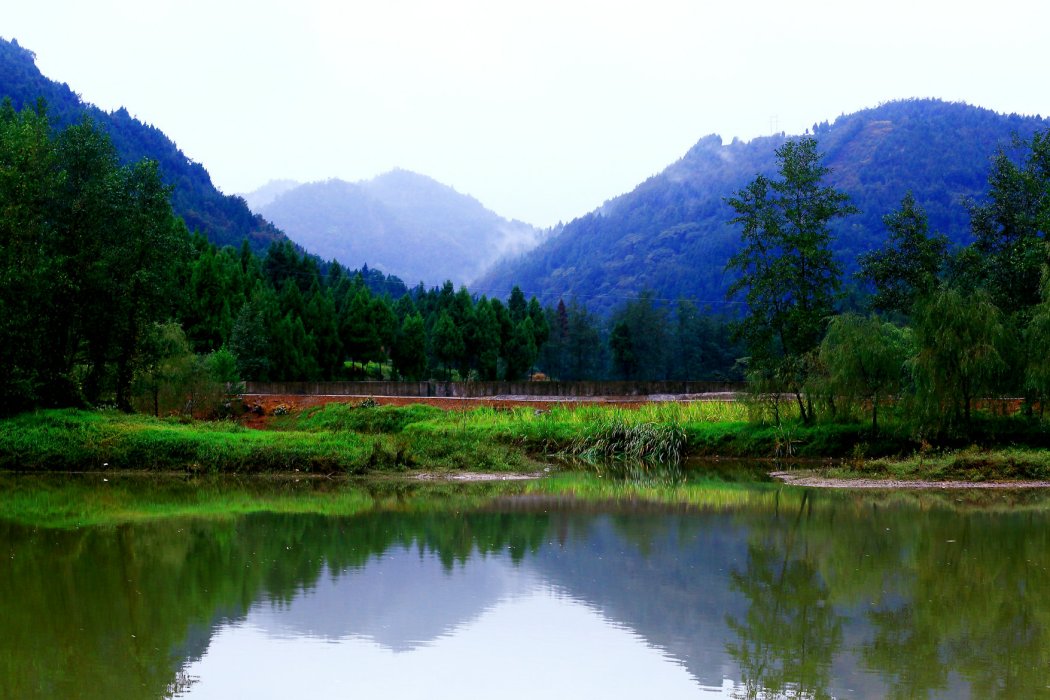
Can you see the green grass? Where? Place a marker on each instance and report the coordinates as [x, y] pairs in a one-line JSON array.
[[347, 439], [969, 464], [346, 417], [72, 440]]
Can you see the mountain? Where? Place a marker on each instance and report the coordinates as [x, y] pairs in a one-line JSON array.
[[224, 219], [273, 189], [403, 223], [672, 233]]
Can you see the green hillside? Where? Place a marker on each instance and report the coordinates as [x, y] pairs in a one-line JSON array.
[[224, 219], [672, 233]]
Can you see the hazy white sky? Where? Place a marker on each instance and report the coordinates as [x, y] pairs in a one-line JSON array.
[[540, 109]]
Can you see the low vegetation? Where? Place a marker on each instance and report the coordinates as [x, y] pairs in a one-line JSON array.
[[649, 443]]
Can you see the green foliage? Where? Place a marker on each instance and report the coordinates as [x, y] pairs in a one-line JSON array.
[[959, 338], [907, 266], [642, 443], [250, 342], [410, 349], [621, 343], [521, 351], [865, 359], [639, 341], [224, 219], [1036, 341], [447, 340], [91, 259], [786, 266], [1010, 227], [374, 420]]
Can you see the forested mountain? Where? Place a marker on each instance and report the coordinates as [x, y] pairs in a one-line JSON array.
[[673, 235], [224, 219], [402, 223]]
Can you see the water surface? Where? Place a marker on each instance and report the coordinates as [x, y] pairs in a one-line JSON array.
[[570, 587]]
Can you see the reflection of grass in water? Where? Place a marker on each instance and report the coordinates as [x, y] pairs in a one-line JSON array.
[[702, 493], [83, 500], [111, 499]]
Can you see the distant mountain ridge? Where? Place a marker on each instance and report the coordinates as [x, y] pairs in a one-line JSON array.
[[672, 234], [400, 222], [224, 219], [273, 189]]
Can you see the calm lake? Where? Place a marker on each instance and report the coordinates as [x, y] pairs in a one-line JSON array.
[[140, 587]]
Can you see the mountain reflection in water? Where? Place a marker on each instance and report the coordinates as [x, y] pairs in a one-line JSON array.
[[793, 594]]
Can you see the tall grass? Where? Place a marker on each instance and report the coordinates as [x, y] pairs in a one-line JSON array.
[[615, 438]]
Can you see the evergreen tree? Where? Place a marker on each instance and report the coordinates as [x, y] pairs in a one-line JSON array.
[[323, 324], [359, 335], [521, 351], [646, 357], [517, 307], [447, 341], [625, 360], [486, 340], [409, 353], [250, 343], [586, 355]]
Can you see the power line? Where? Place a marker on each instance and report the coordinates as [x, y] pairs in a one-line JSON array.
[[561, 295]]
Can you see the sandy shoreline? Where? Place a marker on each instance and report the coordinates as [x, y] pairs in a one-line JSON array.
[[804, 478], [478, 476]]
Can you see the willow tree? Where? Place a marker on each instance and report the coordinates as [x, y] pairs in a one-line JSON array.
[[959, 339], [785, 268], [865, 359]]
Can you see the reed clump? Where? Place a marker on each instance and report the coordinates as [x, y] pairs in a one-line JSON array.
[[614, 438]]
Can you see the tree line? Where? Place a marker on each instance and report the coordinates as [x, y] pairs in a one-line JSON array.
[[106, 297], [943, 327]]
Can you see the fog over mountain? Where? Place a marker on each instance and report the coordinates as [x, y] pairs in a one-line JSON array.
[[400, 222], [267, 193], [672, 234]]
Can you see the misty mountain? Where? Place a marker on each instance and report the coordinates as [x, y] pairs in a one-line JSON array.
[[224, 219], [672, 233], [273, 189], [402, 223]]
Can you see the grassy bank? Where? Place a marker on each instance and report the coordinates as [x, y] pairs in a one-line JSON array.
[[73, 440], [967, 464], [348, 439]]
